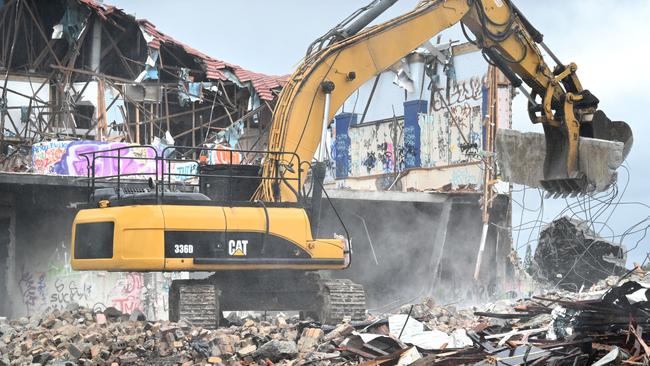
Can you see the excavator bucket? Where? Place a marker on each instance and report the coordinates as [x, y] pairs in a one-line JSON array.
[[542, 160]]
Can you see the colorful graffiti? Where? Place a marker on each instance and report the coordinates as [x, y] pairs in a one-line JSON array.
[[46, 154], [449, 133], [55, 285], [66, 158], [132, 160], [126, 295], [46, 291]]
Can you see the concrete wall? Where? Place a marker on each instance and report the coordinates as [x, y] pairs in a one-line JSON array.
[[449, 138], [7, 247], [40, 278], [419, 178], [379, 147], [421, 245]]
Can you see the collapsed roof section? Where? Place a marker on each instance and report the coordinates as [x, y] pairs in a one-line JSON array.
[[79, 69], [214, 69]]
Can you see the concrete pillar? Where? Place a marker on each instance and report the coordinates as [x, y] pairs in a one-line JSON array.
[[7, 251], [343, 121], [412, 132]]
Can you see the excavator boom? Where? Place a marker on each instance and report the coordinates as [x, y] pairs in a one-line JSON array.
[[331, 73]]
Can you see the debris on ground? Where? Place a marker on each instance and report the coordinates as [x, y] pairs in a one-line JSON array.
[[603, 325], [571, 256]]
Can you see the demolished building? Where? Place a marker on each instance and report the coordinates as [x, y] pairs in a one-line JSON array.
[[87, 77]]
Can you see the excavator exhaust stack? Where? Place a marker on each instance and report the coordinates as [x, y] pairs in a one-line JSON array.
[[565, 165]]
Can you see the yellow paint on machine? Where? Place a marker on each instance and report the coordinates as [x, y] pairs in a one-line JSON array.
[[139, 235]]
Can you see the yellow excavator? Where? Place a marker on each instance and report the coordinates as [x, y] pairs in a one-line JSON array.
[[254, 227]]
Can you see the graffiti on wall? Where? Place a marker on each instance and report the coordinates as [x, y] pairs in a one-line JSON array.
[[65, 158], [451, 133], [466, 91], [462, 176], [126, 294], [56, 286], [373, 148]]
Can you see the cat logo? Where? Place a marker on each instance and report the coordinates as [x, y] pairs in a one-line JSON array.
[[237, 247]]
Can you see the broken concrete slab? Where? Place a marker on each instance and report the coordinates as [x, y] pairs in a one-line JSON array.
[[276, 350], [520, 156], [571, 255]]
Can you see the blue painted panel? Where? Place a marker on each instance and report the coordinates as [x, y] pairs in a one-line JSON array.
[[343, 161], [412, 138]]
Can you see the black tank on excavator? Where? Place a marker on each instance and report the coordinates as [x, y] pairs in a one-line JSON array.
[[229, 182]]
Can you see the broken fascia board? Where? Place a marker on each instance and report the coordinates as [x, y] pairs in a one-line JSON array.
[[442, 52], [74, 16], [402, 72], [57, 31]]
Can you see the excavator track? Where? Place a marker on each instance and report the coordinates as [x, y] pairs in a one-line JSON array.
[[342, 300], [329, 301], [195, 301]]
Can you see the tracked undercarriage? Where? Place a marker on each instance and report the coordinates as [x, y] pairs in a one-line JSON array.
[[329, 301]]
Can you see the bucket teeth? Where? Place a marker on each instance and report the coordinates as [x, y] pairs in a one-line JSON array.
[[571, 187]]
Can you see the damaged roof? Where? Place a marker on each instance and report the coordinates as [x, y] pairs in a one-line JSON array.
[[215, 69]]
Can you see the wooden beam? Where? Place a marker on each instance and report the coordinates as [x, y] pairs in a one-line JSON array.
[[167, 109], [4, 113], [102, 125]]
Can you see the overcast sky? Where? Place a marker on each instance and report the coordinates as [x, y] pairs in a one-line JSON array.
[[607, 39]]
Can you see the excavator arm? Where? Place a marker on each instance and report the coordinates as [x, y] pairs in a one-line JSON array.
[[339, 64]]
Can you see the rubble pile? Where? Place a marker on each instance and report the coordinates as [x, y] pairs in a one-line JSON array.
[[76, 335], [604, 325], [572, 256]]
